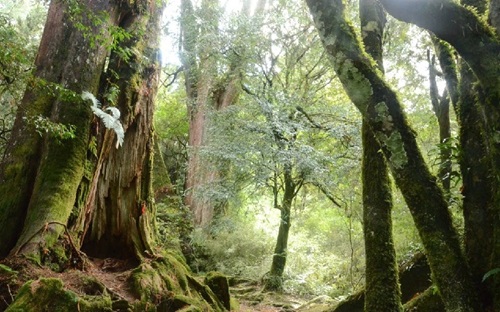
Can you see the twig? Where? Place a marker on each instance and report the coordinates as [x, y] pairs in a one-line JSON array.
[[174, 74]]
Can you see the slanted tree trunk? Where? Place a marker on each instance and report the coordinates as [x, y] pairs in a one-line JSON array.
[[381, 108], [382, 291], [479, 46]]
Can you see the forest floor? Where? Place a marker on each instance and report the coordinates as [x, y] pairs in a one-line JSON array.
[[251, 298], [112, 275], [98, 276]]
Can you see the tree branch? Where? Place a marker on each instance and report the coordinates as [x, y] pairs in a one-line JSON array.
[[473, 39]]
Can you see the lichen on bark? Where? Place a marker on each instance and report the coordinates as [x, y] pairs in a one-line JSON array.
[[423, 196]]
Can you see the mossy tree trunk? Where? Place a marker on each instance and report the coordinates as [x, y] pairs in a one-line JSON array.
[[274, 281], [109, 191], [40, 175], [477, 184], [99, 194], [382, 291], [478, 45], [382, 110], [479, 118], [117, 219]]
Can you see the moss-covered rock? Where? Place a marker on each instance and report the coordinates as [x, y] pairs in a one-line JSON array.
[[219, 285], [45, 295], [167, 283]]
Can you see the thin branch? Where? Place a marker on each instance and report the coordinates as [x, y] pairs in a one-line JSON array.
[[174, 77]]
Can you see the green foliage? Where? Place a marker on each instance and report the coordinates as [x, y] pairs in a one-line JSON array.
[[20, 32], [171, 127], [234, 247], [291, 112], [453, 146], [173, 222], [55, 130]]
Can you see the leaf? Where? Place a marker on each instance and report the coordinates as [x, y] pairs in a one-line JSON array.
[[490, 273]]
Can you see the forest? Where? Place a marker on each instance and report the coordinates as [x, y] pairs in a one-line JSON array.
[[258, 155]]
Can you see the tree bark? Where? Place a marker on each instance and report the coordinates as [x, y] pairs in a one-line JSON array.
[[477, 44], [382, 291], [441, 108], [98, 194], [42, 175], [119, 212], [477, 184], [381, 108], [274, 281]]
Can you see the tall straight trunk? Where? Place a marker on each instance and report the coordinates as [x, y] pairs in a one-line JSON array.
[[382, 110], [382, 291], [200, 68], [39, 176], [274, 281], [206, 92], [494, 18], [441, 108], [476, 182]]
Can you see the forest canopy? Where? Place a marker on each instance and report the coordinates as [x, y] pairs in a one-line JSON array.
[[265, 155]]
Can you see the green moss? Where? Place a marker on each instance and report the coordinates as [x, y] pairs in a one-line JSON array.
[[7, 271], [49, 295], [161, 276], [395, 145], [166, 281], [429, 300], [219, 285], [57, 180]]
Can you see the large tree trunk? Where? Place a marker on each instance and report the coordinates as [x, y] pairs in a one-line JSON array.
[[40, 176], [381, 108], [199, 61], [99, 194], [118, 216], [207, 91], [382, 291]]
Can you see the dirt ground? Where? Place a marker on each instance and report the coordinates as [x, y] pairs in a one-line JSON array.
[[111, 275]]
